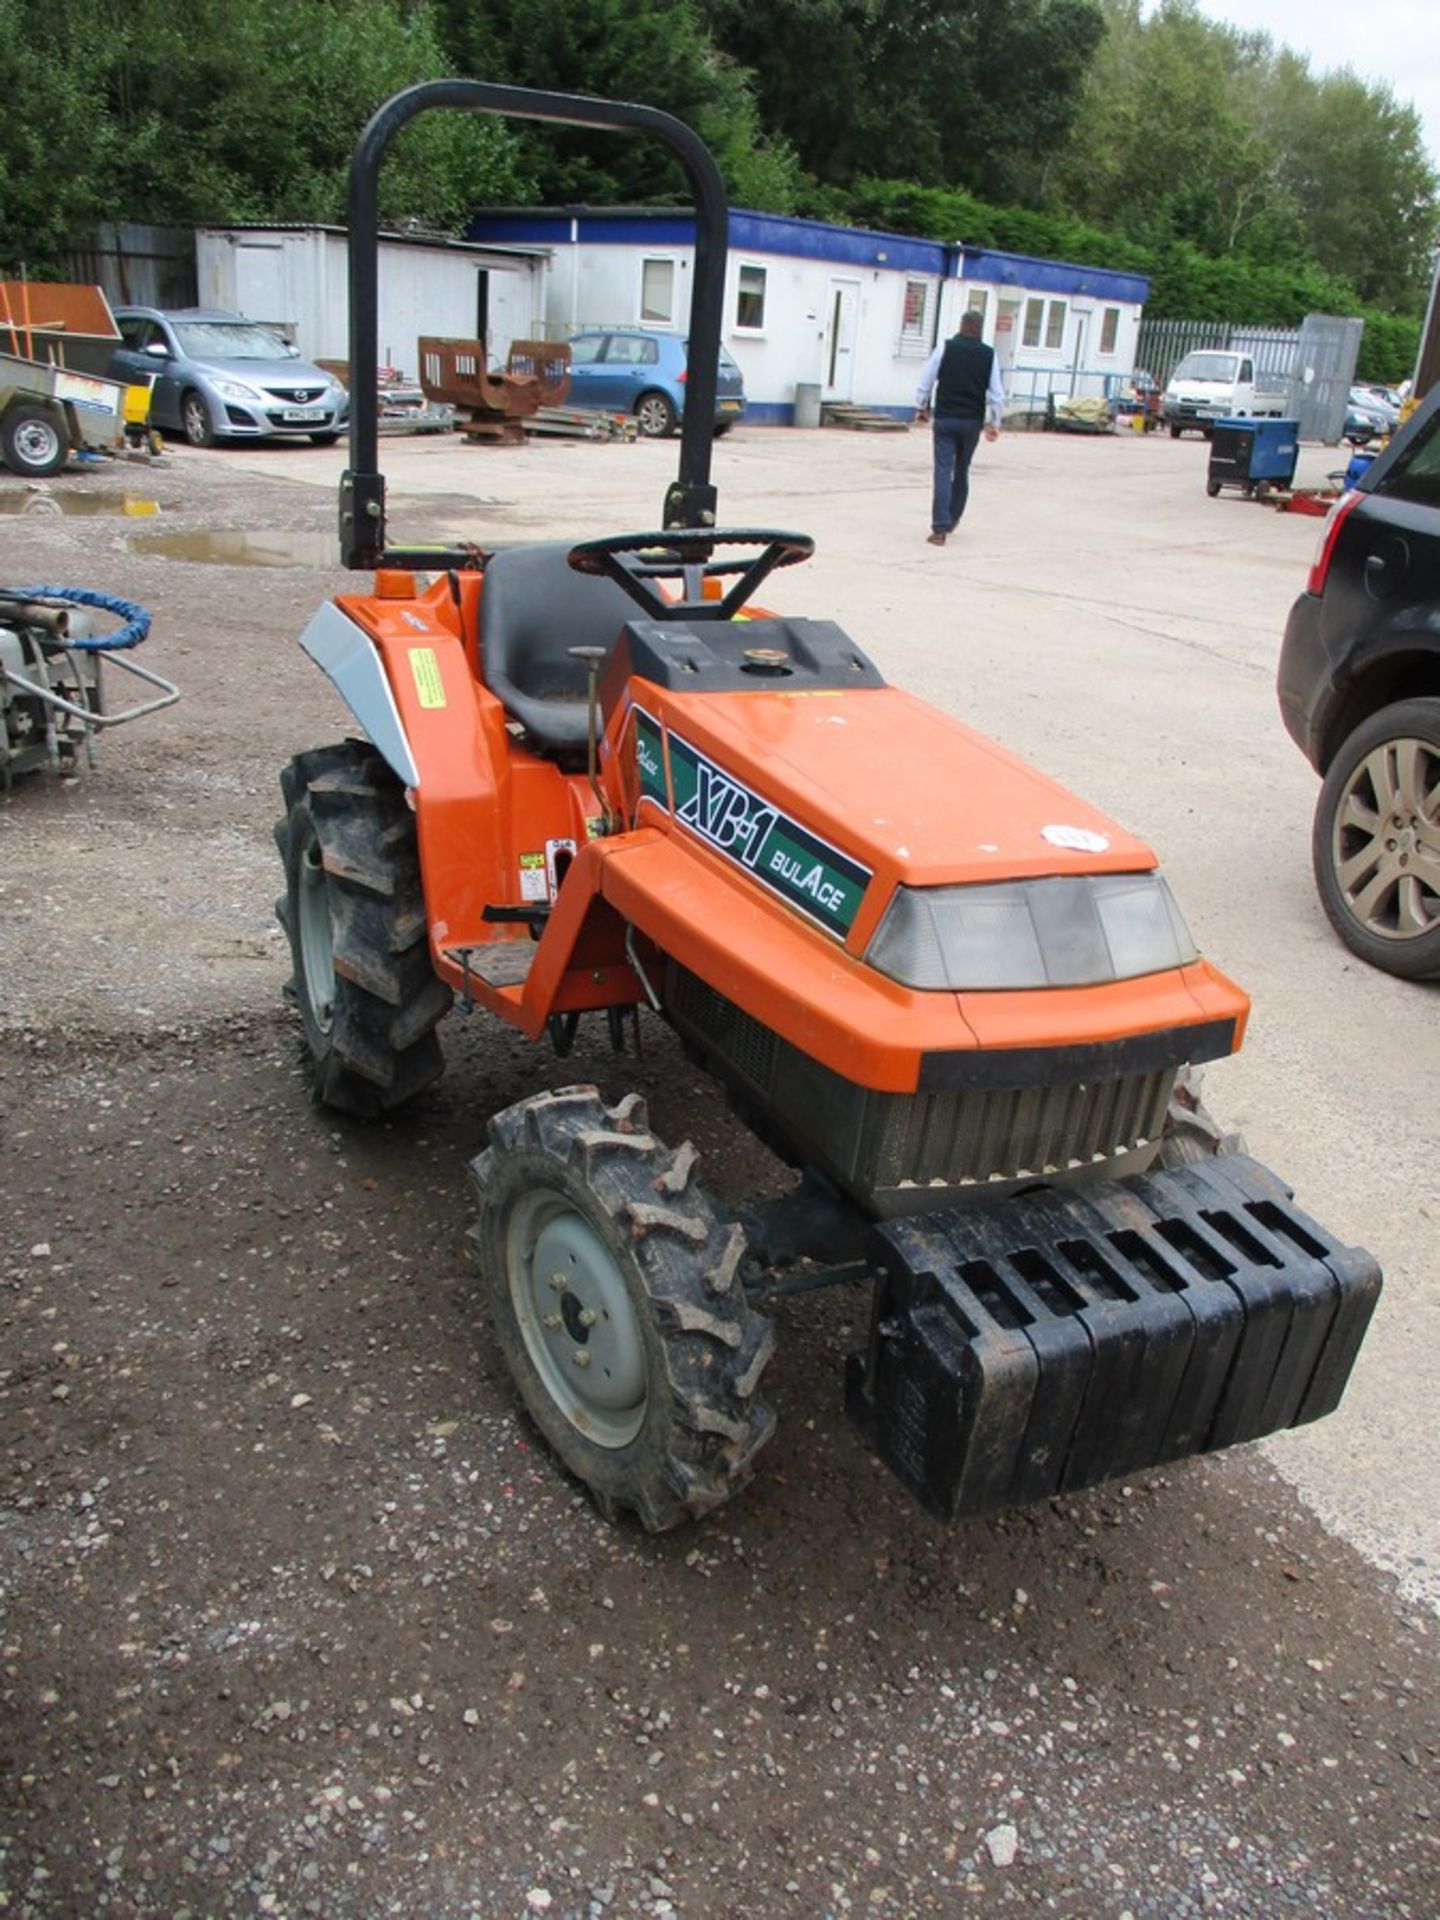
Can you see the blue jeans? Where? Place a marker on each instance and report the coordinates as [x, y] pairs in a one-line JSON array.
[[955, 442]]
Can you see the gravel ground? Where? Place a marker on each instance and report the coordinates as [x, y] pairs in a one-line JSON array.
[[297, 1616]]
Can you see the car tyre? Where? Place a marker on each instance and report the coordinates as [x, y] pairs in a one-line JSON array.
[[198, 427], [324, 439], [1175, 431], [655, 415], [1376, 840]]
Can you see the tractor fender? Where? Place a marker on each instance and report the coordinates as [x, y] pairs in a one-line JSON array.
[[347, 656]]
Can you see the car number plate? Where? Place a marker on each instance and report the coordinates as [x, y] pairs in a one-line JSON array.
[[730, 406], [303, 413]]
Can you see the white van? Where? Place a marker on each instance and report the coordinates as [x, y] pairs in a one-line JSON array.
[[1211, 384]]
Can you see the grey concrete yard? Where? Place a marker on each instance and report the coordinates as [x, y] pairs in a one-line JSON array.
[[297, 1616]]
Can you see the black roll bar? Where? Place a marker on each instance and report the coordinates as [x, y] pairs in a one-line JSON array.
[[690, 499]]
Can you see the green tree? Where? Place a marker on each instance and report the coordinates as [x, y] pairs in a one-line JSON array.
[[233, 110], [1353, 161], [943, 92], [654, 52], [1192, 131]]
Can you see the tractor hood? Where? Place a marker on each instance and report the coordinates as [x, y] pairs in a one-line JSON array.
[[905, 793]]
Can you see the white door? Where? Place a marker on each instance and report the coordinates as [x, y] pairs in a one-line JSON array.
[[842, 322], [1007, 335], [260, 281], [511, 312], [1079, 368]]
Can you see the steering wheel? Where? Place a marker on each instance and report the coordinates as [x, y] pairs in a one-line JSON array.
[[635, 560]]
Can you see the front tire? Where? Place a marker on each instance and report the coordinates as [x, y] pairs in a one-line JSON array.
[[617, 1304], [34, 442], [324, 439], [1376, 840], [195, 421], [354, 912], [655, 415]]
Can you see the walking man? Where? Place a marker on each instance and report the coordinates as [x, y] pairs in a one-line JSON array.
[[969, 399]]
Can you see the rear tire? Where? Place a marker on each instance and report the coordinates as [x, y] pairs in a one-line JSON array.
[[34, 442], [655, 416], [617, 1303], [1376, 840], [354, 912]]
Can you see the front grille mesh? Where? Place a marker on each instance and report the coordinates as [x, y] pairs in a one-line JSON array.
[[1007, 1133], [878, 1142]]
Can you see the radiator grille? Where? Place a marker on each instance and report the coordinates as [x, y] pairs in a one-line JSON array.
[[945, 1142], [1005, 1134]]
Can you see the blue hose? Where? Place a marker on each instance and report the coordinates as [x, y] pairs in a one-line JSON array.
[[137, 619]]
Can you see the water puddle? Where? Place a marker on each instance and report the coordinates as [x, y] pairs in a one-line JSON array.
[[79, 505], [233, 548]]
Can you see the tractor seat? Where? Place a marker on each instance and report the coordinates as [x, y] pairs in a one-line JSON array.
[[533, 609]]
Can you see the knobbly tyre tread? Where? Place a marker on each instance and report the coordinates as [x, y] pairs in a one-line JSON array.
[[382, 1048], [706, 1348]]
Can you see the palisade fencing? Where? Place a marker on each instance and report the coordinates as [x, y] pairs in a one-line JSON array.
[[1163, 344], [1315, 363]]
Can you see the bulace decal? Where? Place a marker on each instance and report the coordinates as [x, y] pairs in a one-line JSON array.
[[788, 858]]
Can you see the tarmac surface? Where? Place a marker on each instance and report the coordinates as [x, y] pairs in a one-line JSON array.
[[296, 1615]]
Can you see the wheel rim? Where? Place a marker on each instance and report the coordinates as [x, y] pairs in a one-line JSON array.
[[317, 946], [197, 421], [1385, 844], [577, 1318], [653, 414], [36, 443]]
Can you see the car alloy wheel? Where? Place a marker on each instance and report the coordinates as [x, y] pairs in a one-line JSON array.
[[1377, 840]]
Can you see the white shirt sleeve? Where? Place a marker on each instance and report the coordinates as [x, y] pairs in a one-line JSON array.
[[928, 377], [995, 395]]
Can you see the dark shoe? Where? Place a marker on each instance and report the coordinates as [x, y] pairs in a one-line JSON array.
[[936, 539]]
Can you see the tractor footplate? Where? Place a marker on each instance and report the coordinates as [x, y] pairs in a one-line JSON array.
[[1065, 1337]]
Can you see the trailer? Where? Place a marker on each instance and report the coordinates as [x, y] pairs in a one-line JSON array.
[[55, 396]]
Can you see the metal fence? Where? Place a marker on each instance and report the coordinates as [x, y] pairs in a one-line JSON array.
[[138, 265], [1163, 344], [1315, 362]]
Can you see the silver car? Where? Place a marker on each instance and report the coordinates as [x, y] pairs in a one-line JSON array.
[[219, 376]]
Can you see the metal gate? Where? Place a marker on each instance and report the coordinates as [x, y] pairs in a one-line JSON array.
[[1322, 373], [1316, 363]]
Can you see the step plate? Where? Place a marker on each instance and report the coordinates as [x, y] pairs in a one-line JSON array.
[[1063, 1338]]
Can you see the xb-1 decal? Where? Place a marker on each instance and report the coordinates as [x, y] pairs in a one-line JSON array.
[[805, 871]]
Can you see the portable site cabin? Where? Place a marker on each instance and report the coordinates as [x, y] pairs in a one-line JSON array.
[[853, 311], [294, 278]]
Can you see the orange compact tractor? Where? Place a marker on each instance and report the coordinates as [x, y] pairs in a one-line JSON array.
[[961, 1003]]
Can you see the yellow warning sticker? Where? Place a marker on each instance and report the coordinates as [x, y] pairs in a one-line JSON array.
[[426, 669]]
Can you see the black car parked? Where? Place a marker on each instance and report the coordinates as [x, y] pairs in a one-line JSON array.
[[1359, 688]]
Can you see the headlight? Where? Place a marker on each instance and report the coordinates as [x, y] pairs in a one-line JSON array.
[[235, 390], [1070, 932]]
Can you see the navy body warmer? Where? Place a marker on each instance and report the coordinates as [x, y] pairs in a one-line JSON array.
[[964, 378]]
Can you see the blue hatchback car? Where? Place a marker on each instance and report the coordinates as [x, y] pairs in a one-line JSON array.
[[632, 370]]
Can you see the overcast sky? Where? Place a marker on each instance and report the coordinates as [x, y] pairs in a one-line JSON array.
[[1397, 41]]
